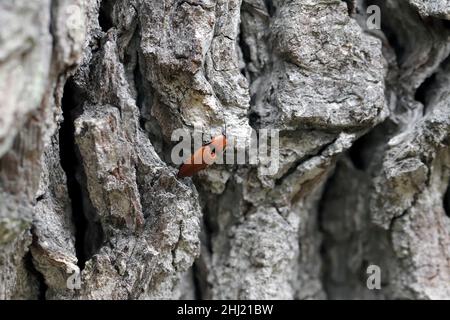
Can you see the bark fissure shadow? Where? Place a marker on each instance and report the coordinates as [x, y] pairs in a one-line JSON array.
[[326, 238], [428, 85], [270, 7], [198, 281], [88, 231], [424, 88], [446, 201], [104, 16], [300, 161], [69, 164], [351, 6], [245, 49], [29, 265]]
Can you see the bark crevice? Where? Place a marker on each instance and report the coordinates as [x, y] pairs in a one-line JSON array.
[[69, 163], [40, 279]]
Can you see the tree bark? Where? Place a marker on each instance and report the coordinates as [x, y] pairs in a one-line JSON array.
[[91, 92]]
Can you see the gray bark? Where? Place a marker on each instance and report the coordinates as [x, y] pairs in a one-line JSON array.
[[91, 91]]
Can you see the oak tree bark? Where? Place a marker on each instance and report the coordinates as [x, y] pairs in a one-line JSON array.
[[90, 92]]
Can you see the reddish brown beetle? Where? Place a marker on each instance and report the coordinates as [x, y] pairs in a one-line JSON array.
[[203, 157]]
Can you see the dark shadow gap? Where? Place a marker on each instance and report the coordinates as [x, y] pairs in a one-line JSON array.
[[350, 6], [356, 153], [446, 24], [254, 119], [326, 240], [245, 49], [29, 265], [424, 88], [198, 281], [447, 201], [69, 163], [104, 15], [271, 9]]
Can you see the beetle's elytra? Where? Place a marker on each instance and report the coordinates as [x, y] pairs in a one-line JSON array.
[[203, 157]]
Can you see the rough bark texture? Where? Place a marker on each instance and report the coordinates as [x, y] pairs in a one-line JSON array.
[[91, 91]]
